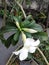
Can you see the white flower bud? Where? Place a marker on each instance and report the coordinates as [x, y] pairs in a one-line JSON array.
[[29, 30], [17, 24], [23, 37]]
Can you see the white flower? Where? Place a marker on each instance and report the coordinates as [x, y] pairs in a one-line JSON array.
[[29, 30], [30, 46]]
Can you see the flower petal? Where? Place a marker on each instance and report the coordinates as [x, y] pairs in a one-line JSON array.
[[16, 52], [24, 54], [32, 49], [36, 43], [29, 41]]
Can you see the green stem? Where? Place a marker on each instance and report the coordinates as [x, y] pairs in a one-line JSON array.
[[43, 56], [5, 11]]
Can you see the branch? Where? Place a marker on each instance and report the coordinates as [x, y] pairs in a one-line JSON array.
[[12, 56], [21, 8], [43, 56]]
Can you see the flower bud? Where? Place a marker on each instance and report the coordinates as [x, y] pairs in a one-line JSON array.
[[17, 24], [23, 37], [29, 30]]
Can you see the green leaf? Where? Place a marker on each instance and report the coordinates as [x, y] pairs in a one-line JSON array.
[[8, 28], [2, 39], [41, 35], [28, 35], [47, 47], [37, 27], [30, 56], [16, 36], [27, 24], [14, 42], [29, 17], [16, 19], [32, 25], [9, 41], [10, 24]]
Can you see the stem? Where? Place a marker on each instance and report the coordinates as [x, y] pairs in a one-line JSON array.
[[21, 8], [12, 56], [43, 56], [5, 10], [9, 59], [12, 61]]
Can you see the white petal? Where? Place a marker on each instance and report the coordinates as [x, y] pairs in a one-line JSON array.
[[24, 54], [16, 52], [29, 30], [32, 49], [29, 41], [36, 43]]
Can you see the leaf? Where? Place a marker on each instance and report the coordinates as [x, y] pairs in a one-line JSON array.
[[2, 39], [16, 36], [37, 27], [16, 19], [8, 28], [9, 41], [27, 24], [28, 35], [29, 17], [47, 47], [32, 25], [14, 42], [41, 35], [30, 56], [10, 24]]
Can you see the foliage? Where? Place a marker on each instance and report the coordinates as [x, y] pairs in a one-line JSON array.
[[11, 26], [27, 22]]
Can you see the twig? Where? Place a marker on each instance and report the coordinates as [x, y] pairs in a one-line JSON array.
[[21, 8], [12, 55], [9, 59], [12, 61], [43, 56]]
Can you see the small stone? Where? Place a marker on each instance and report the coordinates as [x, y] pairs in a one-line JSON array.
[[34, 5]]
